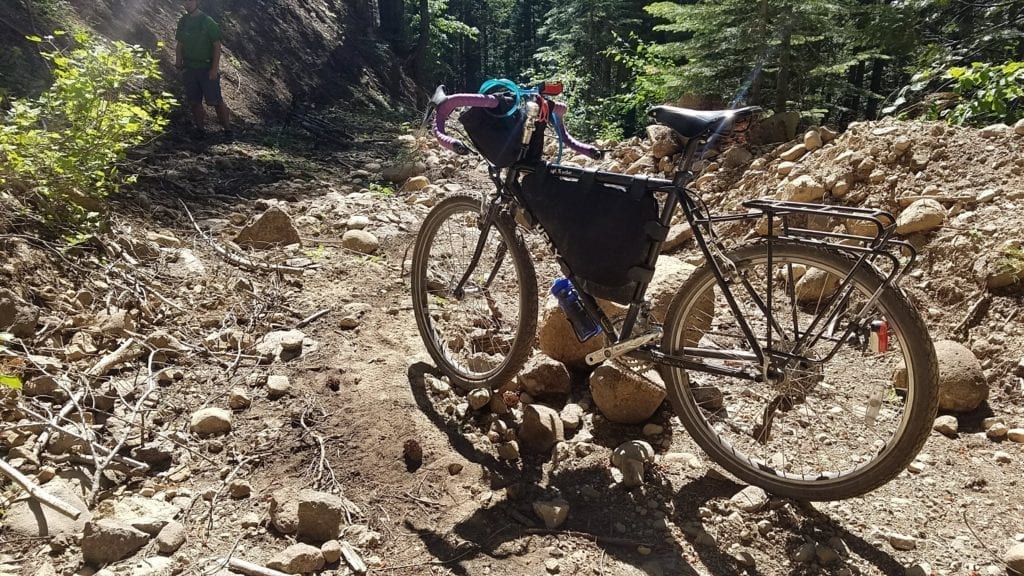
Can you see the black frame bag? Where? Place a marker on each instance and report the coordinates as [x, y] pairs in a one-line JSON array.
[[603, 232]]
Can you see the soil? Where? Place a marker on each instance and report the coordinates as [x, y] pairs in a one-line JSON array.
[[364, 391]]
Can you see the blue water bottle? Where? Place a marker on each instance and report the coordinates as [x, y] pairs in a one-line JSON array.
[[569, 300]]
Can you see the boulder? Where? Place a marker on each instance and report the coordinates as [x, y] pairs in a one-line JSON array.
[[415, 184], [804, 189], [663, 141], [750, 499], [795, 153], [106, 541], [557, 340], [272, 228], [669, 274], [545, 377], [962, 384], [541, 428], [623, 396], [922, 216], [779, 127], [813, 140]]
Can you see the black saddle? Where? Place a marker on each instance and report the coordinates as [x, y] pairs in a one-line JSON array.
[[690, 123]]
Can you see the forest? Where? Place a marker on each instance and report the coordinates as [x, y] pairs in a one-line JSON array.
[[834, 61]]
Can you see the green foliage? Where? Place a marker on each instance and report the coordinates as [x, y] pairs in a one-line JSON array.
[[382, 190], [61, 151], [9, 381], [989, 93]]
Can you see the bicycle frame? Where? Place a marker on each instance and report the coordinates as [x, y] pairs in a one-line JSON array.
[[678, 195]]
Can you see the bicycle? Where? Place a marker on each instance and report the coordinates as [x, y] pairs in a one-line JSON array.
[[794, 361]]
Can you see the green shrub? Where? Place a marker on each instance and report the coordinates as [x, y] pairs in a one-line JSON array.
[[989, 93], [60, 152]]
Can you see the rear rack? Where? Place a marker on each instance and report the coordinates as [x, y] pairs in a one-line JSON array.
[[880, 245]]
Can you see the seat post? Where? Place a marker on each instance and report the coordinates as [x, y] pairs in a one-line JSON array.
[[684, 173]]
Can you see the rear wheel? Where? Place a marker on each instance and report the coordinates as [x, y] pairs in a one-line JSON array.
[[481, 335], [835, 418]]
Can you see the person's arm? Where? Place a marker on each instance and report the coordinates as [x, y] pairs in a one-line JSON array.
[[215, 62]]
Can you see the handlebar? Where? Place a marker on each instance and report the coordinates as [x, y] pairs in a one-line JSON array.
[[445, 104]]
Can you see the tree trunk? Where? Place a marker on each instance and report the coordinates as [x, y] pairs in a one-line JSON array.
[[392, 23], [877, 69], [422, 43], [782, 85], [854, 80]]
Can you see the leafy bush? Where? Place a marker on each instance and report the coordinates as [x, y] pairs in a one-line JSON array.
[[989, 93], [60, 152]]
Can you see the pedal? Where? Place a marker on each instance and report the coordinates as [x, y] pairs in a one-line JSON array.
[[621, 348]]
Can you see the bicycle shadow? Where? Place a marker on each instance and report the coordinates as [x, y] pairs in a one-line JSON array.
[[618, 521]]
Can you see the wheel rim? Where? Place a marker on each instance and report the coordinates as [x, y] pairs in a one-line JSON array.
[[472, 333], [821, 427]]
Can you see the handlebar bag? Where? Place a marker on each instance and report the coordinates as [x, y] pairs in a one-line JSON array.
[[602, 231], [495, 133]]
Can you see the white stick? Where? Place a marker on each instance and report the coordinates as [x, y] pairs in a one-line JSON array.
[[38, 493]]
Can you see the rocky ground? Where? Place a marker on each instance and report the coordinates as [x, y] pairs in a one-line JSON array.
[[231, 378]]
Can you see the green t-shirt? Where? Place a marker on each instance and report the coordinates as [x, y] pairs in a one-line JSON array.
[[197, 35]]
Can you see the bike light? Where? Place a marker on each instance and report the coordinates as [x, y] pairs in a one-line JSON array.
[[879, 339], [551, 88]]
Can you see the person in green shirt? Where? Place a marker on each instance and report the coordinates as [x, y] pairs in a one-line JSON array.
[[197, 56]]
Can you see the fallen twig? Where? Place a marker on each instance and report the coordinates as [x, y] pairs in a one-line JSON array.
[[612, 540], [128, 351], [38, 493], [250, 569], [306, 321]]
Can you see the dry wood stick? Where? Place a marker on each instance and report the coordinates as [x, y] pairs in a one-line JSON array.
[[249, 568], [38, 493]]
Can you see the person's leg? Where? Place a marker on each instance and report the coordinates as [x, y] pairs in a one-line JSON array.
[[212, 94], [223, 116], [194, 96]]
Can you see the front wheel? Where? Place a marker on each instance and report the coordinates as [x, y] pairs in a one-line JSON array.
[[479, 334], [847, 402]]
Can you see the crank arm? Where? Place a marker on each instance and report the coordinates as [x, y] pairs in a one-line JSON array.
[[617, 350]]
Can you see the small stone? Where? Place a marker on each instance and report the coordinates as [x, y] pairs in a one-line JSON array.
[[902, 542], [454, 469], [360, 241], [331, 551], [750, 499], [170, 538], [805, 553], [653, 430], [997, 431], [210, 422], [508, 450], [1014, 559], [278, 386], [643, 550], [553, 513], [1015, 435], [357, 222], [239, 399], [744, 558], [825, 555], [1002, 457], [297, 559], [239, 489], [946, 425], [551, 565], [918, 569], [478, 398]]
